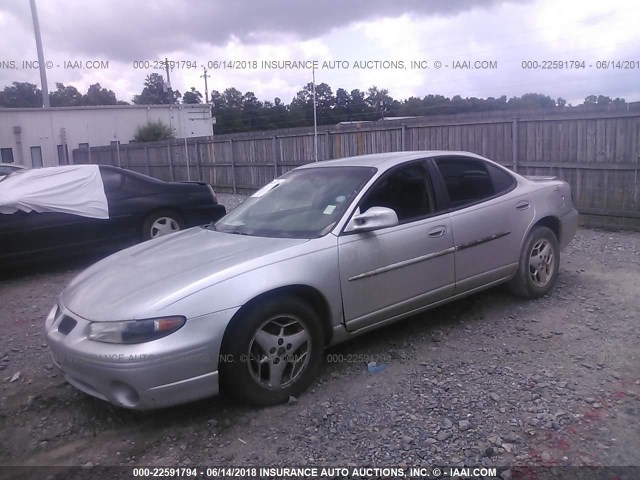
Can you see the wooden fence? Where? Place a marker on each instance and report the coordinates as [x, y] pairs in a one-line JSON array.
[[597, 152]]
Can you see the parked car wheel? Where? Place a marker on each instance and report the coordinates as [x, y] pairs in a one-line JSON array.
[[161, 223], [271, 351], [539, 262]]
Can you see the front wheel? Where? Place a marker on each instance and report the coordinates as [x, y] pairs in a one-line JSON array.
[[271, 351], [539, 263]]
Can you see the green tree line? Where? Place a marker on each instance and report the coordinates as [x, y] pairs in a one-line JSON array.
[[236, 111]]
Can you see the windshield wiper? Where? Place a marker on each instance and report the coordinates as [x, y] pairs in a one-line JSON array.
[[212, 226]]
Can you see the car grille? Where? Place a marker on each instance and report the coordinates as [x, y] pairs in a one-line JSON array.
[[66, 325]]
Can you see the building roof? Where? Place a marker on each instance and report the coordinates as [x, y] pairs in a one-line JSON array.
[[188, 106]]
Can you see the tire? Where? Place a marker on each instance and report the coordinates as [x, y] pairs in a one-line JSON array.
[[538, 267], [160, 223], [261, 365]]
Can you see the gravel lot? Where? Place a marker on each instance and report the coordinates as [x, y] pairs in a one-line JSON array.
[[490, 380]]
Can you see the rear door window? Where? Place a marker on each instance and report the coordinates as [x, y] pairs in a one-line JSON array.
[[470, 180]]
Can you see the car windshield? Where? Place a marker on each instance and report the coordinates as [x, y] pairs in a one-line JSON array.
[[304, 203], [6, 172]]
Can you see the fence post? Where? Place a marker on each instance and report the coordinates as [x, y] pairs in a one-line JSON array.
[[118, 152], [514, 144], [403, 138], [186, 157], [170, 161], [635, 181], [233, 167], [274, 154], [146, 159], [199, 160], [126, 158], [327, 148]]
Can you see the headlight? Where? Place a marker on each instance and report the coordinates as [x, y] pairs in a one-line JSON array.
[[53, 314], [134, 331]]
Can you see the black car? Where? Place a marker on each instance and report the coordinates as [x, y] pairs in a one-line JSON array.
[[139, 208], [9, 168]]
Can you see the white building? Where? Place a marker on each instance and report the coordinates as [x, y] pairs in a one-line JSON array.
[[36, 137]]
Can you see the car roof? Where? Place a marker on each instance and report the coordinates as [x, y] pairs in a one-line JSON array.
[[13, 165], [384, 161]]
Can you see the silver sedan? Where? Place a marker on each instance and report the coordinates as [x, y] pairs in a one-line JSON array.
[[326, 252]]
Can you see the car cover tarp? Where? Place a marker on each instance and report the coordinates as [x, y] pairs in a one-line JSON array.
[[74, 189]]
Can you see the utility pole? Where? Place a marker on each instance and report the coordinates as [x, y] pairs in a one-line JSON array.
[[206, 99], [41, 64], [315, 120], [206, 87], [169, 92]]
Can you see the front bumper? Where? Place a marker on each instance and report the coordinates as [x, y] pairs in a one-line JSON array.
[[175, 369]]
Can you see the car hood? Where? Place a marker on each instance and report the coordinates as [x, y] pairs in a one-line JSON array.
[[141, 280]]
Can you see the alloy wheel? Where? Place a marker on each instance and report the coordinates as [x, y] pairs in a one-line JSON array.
[[164, 226], [541, 263], [279, 352]]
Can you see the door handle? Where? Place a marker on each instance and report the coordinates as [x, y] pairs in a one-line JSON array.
[[523, 206], [438, 231]]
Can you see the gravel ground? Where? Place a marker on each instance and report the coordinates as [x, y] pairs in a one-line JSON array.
[[230, 200], [490, 380]]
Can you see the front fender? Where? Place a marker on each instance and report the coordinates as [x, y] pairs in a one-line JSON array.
[[315, 267]]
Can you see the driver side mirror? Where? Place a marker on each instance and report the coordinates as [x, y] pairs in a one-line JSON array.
[[373, 219]]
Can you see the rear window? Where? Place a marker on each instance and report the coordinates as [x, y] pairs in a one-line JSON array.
[[111, 180], [502, 181]]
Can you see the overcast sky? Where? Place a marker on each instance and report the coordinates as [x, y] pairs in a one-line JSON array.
[[507, 32]]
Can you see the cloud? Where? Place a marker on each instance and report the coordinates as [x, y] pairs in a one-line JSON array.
[[507, 32], [128, 30]]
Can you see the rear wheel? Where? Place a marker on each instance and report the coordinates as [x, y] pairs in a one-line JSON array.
[[539, 262], [271, 351], [161, 223]]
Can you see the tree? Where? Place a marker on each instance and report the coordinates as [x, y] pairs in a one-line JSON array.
[[591, 100], [532, 100], [155, 92], [302, 104], [21, 95], [378, 100], [233, 98], [227, 108], [251, 107], [192, 96], [277, 114], [343, 99], [153, 131], [96, 95], [217, 99], [325, 103], [358, 108], [65, 96]]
